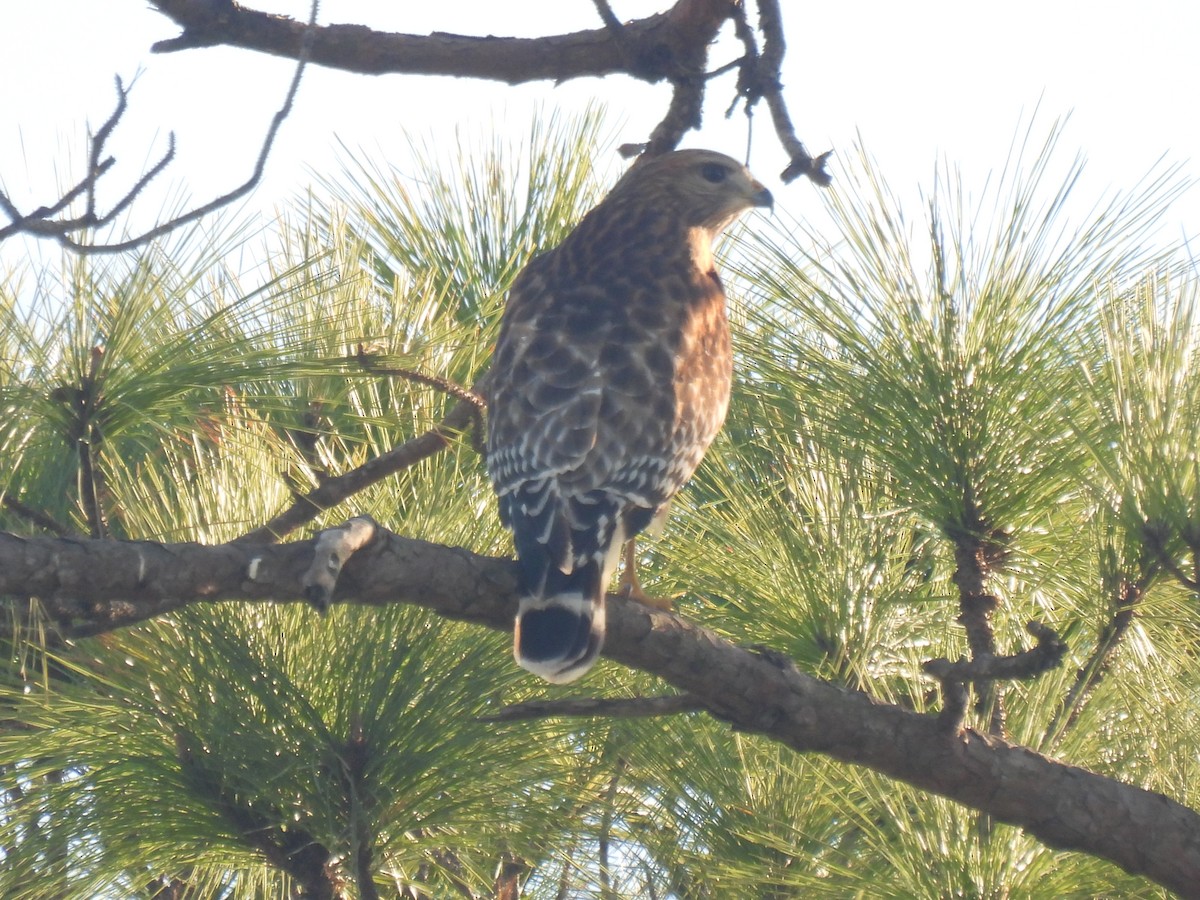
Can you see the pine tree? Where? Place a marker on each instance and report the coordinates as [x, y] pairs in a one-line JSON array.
[[942, 429]]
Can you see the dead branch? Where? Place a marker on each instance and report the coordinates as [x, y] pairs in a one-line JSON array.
[[671, 46], [767, 82], [478, 404], [652, 44], [44, 221], [335, 489], [90, 587]]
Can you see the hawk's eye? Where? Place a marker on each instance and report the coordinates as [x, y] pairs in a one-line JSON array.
[[714, 172]]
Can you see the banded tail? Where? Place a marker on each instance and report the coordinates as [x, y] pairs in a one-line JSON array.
[[568, 548], [560, 628]]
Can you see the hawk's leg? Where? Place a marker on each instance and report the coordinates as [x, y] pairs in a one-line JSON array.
[[632, 588]]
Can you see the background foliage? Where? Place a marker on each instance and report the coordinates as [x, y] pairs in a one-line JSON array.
[[993, 368]]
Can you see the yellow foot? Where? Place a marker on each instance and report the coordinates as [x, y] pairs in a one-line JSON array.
[[632, 588]]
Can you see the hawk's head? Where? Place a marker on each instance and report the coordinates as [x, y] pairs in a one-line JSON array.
[[708, 189]]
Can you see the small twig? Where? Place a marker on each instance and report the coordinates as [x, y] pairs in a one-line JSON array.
[[986, 668], [124, 203], [335, 489], [585, 707], [747, 84], [98, 141], [606, 819], [1154, 536], [768, 83], [1126, 596], [478, 404], [40, 222], [37, 517]]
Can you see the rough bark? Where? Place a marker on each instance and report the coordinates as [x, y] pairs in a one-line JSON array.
[[95, 586], [649, 48]]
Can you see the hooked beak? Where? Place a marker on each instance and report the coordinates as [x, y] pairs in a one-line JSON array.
[[762, 197]]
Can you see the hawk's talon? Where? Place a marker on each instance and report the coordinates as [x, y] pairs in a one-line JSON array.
[[631, 587]]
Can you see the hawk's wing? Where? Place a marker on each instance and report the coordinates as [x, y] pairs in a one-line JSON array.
[[580, 393]]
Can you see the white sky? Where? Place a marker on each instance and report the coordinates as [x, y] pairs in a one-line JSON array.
[[918, 81]]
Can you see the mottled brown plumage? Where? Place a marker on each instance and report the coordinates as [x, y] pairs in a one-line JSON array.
[[611, 378]]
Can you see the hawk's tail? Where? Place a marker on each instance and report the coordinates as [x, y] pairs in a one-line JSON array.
[[560, 628]]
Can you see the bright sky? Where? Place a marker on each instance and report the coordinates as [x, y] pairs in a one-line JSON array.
[[918, 81]]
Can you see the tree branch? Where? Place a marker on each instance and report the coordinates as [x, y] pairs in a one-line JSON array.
[[653, 43], [672, 46], [335, 489], [769, 84], [478, 404], [291, 849], [37, 517], [42, 222], [1047, 654], [1126, 595], [96, 586], [954, 676]]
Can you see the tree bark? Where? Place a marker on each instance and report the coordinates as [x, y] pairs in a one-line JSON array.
[[90, 586], [648, 48]]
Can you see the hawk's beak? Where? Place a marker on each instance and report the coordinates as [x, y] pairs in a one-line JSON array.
[[762, 197]]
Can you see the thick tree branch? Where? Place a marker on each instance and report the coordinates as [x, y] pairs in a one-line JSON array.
[[671, 45], [647, 50], [96, 586]]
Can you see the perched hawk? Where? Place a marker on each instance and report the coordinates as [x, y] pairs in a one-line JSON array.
[[611, 378]]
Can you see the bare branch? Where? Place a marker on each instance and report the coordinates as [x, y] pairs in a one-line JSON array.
[[478, 404], [41, 222], [683, 114], [672, 45], [651, 44], [334, 490], [769, 85]]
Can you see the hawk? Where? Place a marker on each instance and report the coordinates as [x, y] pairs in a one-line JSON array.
[[610, 379]]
